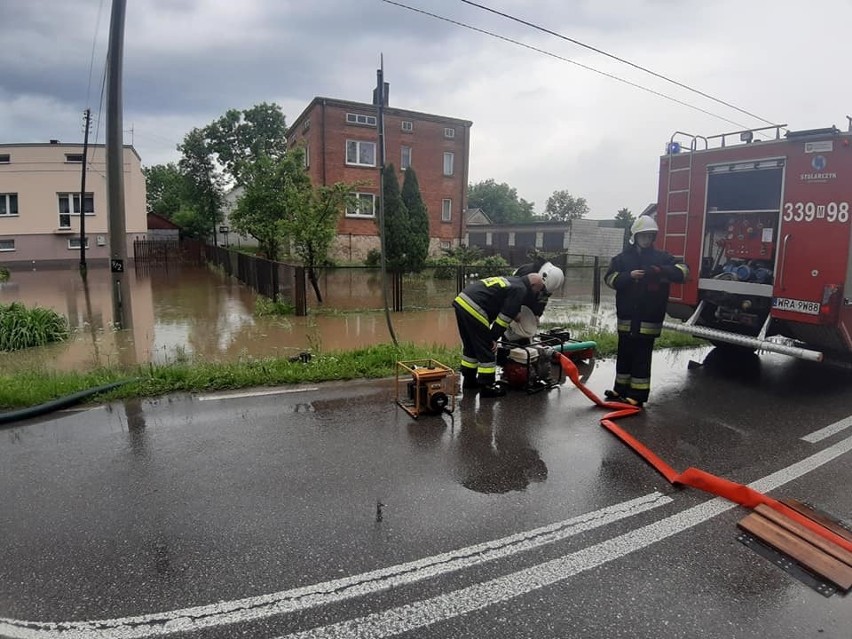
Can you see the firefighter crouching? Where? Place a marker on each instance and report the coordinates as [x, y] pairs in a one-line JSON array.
[[484, 310], [640, 276]]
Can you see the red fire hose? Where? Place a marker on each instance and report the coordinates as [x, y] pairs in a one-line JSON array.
[[693, 477]]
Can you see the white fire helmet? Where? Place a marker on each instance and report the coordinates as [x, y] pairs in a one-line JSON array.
[[552, 276], [643, 224]]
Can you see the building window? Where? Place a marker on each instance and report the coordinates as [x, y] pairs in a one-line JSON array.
[[405, 161], [307, 157], [364, 206], [69, 204], [445, 245], [449, 132], [306, 126], [357, 118], [408, 126], [448, 163], [74, 243], [4, 158], [360, 153], [446, 210], [74, 157], [7, 245], [8, 204]]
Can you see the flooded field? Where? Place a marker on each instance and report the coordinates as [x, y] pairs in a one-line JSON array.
[[196, 313]]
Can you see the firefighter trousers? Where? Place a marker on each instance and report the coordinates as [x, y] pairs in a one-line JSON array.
[[479, 363], [633, 366]]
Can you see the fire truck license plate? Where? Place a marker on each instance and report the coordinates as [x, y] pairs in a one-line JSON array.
[[797, 306]]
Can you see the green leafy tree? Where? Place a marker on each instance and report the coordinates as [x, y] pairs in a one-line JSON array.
[[624, 218], [418, 222], [562, 206], [396, 224], [166, 189], [499, 201], [205, 188], [273, 188], [240, 138]]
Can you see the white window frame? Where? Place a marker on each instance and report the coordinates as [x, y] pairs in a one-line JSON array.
[[76, 240], [402, 163], [449, 132], [5, 158], [71, 199], [307, 157], [6, 198], [358, 144], [361, 119], [357, 213], [4, 249], [71, 158], [449, 161], [407, 126], [446, 210], [446, 244]]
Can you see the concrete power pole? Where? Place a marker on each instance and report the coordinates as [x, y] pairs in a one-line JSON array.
[[122, 315]]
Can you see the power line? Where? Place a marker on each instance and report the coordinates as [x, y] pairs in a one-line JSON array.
[[622, 60], [563, 59], [92, 59]]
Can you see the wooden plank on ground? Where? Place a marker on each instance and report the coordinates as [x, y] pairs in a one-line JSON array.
[[808, 535], [819, 518], [809, 556]]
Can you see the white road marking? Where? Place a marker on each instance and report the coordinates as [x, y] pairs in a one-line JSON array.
[[466, 600], [254, 608], [277, 391], [828, 431]]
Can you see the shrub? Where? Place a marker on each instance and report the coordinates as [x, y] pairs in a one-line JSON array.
[[4, 274], [264, 306], [22, 327], [374, 258]]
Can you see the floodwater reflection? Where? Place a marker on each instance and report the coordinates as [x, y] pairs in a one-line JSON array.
[[193, 313]]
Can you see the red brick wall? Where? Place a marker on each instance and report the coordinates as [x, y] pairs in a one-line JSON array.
[[328, 127]]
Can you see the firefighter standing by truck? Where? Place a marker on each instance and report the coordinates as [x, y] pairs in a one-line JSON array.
[[640, 276], [484, 310]]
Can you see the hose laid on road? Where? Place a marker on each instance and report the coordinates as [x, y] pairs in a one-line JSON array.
[[57, 404], [693, 477]]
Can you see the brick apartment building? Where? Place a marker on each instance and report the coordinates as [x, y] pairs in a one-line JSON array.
[[40, 203], [341, 144]]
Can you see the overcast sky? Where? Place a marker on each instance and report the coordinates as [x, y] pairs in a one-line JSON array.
[[539, 123]]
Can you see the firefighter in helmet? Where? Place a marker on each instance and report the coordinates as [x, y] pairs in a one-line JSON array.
[[640, 275], [484, 310]]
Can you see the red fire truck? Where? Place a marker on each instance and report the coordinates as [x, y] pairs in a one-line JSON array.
[[762, 218]]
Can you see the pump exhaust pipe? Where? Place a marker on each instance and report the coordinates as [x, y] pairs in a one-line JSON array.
[[744, 340]]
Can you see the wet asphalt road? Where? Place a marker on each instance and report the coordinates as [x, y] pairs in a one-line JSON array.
[[257, 516]]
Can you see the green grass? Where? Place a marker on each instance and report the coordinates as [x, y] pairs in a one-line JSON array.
[[32, 388], [22, 327]]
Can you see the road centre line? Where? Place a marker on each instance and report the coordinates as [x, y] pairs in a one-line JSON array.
[[277, 391], [306, 597], [466, 600], [828, 431]]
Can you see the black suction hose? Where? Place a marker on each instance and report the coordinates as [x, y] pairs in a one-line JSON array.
[[57, 404]]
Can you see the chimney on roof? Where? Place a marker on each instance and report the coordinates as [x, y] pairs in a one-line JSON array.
[[386, 92], [54, 141]]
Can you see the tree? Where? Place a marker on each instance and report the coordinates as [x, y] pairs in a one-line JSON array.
[[418, 222], [562, 206], [205, 192], [166, 189], [499, 201], [396, 227], [274, 186], [240, 138], [624, 218]]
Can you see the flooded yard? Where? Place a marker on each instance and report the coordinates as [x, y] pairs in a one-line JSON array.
[[192, 313]]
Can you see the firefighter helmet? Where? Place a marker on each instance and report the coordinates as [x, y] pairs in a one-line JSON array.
[[643, 224], [552, 276]]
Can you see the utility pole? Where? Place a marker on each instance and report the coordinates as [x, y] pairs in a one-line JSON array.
[[380, 124], [122, 316], [87, 123]]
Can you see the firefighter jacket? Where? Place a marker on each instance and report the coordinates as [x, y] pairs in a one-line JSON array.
[[494, 301], [640, 305]]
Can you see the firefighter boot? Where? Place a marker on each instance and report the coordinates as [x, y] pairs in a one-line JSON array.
[[493, 390]]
